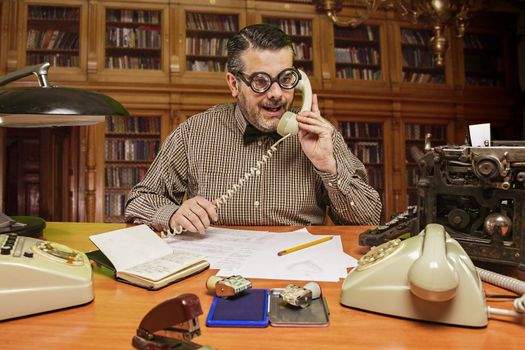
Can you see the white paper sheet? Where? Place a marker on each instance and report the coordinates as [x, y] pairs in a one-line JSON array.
[[131, 246], [253, 254]]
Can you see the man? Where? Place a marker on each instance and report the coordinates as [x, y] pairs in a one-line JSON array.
[[206, 155]]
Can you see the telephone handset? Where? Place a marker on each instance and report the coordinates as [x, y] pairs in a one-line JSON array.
[[288, 123], [287, 126], [426, 277]]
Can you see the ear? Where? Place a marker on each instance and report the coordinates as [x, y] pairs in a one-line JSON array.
[[232, 84]]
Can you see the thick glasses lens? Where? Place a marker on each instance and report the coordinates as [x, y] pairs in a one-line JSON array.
[[288, 78], [260, 82]]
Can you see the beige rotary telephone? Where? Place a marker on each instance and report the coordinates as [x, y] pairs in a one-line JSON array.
[[426, 277]]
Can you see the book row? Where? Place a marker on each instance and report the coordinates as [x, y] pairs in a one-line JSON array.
[[124, 177], [482, 42], [412, 175], [413, 77], [115, 204], [303, 51], [131, 150], [355, 55], [206, 46], [132, 62], [292, 26], [141, 37], [361, 130], [212, 22], [367, 152], [133, 16], [51, 39], [483, 81], [362, 33], [53, 13], [359, 73], [375, 177], [205, 66], [415, 37], [421, 58], [56, 60], [126, 125]]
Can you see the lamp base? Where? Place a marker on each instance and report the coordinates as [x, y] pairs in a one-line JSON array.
[[33, 226]]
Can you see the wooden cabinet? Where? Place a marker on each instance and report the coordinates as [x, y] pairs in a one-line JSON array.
[[132, 42], [53, 33], [129, 146], [203, 32], [165, 60]]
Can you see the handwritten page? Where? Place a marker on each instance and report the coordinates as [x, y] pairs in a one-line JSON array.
[[159, 268]]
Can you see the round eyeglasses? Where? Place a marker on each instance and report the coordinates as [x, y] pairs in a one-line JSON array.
[[260, 82]]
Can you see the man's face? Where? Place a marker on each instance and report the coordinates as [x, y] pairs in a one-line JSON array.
[[263, 110]]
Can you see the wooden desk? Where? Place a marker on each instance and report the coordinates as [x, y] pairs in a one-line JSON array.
[[110, 321]]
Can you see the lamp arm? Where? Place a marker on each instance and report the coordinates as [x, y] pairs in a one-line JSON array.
[[40, 70]]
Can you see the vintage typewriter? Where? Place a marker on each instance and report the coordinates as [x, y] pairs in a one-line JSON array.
[[476, 193]]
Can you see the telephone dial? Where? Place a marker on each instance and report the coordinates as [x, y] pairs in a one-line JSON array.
[[426, 277], [287, 127], [39, 276]]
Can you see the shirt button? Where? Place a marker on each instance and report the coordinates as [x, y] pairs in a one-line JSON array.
[[259, 143], [338, 182], [352, 203], [256, 203], [330, 184]]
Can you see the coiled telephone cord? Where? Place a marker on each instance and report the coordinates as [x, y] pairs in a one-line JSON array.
[[223, 199], [508, 283]]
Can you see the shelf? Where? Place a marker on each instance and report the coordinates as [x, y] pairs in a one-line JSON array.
[[52, 35], [483, 60], [300, 31], [357, 53], [419, 66], [206, 37]]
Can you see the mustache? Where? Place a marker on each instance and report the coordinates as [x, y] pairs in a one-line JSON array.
[[278, 104]]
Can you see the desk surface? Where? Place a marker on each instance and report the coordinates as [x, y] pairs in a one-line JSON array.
[[110, 321]]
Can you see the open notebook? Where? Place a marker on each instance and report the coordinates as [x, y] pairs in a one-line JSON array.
[[140, 257]]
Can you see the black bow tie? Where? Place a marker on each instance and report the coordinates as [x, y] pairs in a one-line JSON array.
[[251, 134]]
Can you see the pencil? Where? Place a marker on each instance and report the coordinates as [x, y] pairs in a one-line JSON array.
[[302, 246]]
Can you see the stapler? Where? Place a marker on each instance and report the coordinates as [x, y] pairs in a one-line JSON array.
[[171, 325]]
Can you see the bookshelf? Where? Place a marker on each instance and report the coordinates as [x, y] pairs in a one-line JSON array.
[[53, 35], [418, 59], [206, 37], [357, 53], [365, 140], [133, 39], [414, 148], [300, 31], [483, 60], [130, 146]]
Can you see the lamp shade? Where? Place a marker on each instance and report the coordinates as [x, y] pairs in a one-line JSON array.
[[46, 105]]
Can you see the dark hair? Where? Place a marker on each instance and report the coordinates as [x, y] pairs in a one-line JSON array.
[[257, 36]]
